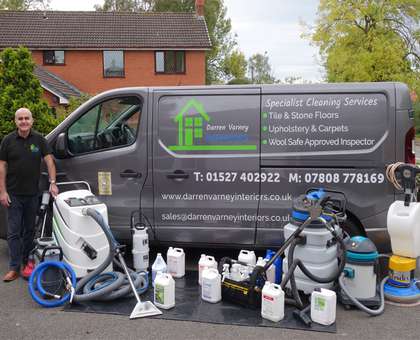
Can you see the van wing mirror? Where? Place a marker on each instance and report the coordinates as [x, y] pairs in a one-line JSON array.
[[61, 150]]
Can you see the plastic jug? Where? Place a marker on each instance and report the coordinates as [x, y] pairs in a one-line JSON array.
[[211, 287], [247, 256], [205, 261], [323, 306], [278, 263], [271, 271], [176, 262], [272, 302], [158, 266], [164, 291], [140, 249]]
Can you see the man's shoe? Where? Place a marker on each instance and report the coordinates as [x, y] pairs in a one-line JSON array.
[[28, 269], [11, 276]]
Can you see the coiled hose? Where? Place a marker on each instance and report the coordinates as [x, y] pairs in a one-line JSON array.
[[94, 286]]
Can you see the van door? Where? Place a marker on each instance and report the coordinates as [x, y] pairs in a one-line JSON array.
[[206, 164], [107, 148]]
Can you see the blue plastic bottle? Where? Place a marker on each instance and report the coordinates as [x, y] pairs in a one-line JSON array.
[[278, 263]]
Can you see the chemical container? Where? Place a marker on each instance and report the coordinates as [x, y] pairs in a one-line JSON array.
[[140, 249], [247, 256], [175, 258], [404, 228], [211, 287], [278, 263], [323, 306], [401, 271], [205, 261], [272, 304], [271, 271], [164, 291], [158, 266]]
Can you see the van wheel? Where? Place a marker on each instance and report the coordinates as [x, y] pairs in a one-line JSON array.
[[352, 228]]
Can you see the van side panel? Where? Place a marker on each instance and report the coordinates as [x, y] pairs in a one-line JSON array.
[[204, 140], [338, 137]]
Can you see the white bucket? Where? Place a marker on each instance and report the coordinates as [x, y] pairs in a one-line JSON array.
[[205, 262], [247, 256], [175, 259], [164, 291], [323, 306], [211, 287], [272, 304]]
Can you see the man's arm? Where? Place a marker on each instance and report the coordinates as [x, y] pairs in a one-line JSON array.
[[4, 196], [51, 174]]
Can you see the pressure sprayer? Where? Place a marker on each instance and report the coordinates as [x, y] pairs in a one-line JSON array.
[[403, 222], [140, 245]]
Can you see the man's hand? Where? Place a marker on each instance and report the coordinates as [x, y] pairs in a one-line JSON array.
[[53, 189], [5, 199]]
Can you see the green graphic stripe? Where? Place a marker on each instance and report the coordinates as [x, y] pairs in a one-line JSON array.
[[211, 147]]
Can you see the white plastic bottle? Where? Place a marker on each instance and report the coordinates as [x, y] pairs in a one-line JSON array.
[[272, 304], [323, 306], [158, 266], [164, 291], [247, 256], [205, 261], [271, 271], [175, 258], [211, 287], [140, 249]]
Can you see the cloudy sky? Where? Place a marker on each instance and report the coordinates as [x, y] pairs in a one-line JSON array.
[[271, 26]]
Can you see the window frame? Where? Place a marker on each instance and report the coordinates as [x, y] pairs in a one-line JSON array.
[[103, 64], [184, 66], [97, 121], [45, 63]]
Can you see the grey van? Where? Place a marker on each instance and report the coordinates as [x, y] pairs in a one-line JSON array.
[[220, 165]]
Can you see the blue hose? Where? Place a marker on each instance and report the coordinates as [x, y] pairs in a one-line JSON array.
[[35, 283]]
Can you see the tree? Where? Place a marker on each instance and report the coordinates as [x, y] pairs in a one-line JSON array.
[[235, 65], [23, 5], [20, 88], [124, 6], [259, 69], [372, 40]]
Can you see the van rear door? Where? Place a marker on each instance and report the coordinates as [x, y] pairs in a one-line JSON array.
[[205, 141]]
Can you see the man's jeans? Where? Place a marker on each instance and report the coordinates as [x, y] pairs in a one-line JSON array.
[[21, 228]]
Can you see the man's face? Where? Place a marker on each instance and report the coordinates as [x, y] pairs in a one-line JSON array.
[[23, 120]]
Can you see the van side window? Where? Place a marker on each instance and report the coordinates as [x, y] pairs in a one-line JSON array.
[[109, 124]]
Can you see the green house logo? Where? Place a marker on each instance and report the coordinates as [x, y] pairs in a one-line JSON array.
[[191, 122], [191, 128]]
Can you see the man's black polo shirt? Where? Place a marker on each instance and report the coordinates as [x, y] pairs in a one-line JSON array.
[[23, 157]]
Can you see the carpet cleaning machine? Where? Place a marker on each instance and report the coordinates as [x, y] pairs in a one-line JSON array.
[[317, 254], [89, 251]]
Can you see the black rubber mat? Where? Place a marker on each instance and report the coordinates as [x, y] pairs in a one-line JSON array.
[[190, 307]]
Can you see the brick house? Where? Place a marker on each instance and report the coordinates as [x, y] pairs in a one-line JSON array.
[[91, 52]]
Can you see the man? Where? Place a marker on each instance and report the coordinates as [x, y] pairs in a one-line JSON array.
[[20, 161]]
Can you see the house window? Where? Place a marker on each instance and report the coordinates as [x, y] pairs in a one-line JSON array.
[[113, 64], [170, 61], [53, 57]]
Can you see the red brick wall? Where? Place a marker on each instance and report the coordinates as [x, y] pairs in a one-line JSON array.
[[51, 99], [84, 69]]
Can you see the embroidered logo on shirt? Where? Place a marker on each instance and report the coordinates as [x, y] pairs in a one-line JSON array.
[[34, 148]]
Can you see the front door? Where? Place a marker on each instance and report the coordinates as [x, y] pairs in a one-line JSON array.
[[206, 165], [107, 147]]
